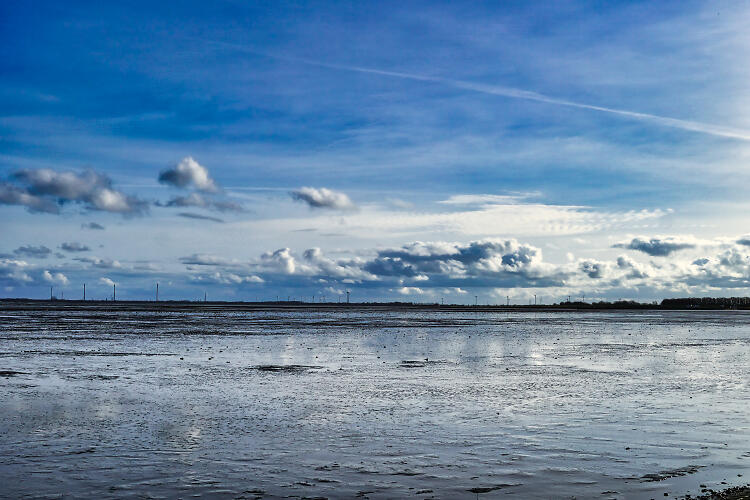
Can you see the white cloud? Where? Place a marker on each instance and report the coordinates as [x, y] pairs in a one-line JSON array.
[[45, 190], [189, 172], [99, 262], [57, 278], [323, 198], [228, 278]]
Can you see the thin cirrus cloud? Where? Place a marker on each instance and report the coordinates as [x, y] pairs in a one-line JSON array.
[[483, 216], [190, 215], [199, 201], [509, 92], [323, 198], [47, 190], [189, 173]]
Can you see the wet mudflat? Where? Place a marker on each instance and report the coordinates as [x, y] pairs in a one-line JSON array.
[[99, 402]]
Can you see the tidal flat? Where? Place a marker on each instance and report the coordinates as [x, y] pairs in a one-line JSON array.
[[116, 401]]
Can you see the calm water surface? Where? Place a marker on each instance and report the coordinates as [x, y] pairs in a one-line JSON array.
[[400, 404]]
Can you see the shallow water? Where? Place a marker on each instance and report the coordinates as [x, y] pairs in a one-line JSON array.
[[372, 404]]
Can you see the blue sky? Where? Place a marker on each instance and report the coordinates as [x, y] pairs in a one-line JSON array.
[[514, 148]]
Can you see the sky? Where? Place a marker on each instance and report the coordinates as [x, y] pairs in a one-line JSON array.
[[414, 151]]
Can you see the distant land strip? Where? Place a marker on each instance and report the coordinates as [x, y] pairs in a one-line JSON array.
[[689, 303]]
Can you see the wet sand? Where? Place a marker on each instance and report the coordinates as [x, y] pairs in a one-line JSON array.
[[124, 400]]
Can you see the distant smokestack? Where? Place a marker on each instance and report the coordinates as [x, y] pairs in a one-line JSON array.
[[114, 292], [347, 296], [84, 291]]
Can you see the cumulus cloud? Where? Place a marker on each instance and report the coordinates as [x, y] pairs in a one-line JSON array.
[[657, 247], [74, 246], [14, 195], [635, 269], [478, 263], [281, 260], [56, 278], [93, 226], [187, 173], [14, 271], [592, 268], [46, 190], [499, 260], [323, 198], [227, 278], [99, 263], [38, 252], [317, 263]]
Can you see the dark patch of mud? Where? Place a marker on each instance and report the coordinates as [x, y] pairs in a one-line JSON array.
[[666, 474], [11, 373], [287, 368]]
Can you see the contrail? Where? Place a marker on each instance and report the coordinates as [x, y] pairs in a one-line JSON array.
[[513, 93]]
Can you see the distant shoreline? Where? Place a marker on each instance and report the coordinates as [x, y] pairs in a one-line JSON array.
[[182, 305]]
